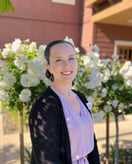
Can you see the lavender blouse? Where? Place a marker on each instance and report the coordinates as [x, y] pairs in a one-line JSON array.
[[80, 128]]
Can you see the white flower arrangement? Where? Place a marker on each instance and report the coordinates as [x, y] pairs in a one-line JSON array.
[[22, 72], [108, 81], [22, 77]]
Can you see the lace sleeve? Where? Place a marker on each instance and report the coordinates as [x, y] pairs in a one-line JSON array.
[[45, 133]]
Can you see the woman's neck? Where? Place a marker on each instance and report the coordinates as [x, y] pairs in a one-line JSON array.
[[64, 90]]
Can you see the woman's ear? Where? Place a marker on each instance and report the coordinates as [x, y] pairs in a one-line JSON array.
[[48, 67]]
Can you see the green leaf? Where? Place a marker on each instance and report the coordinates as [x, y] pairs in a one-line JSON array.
[[5, 6]]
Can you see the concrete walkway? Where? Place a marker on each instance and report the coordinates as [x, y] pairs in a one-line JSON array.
[[9, 144]]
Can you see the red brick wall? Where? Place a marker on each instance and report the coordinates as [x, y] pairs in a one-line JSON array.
[[41, 21], [105, 35], [87, 30]]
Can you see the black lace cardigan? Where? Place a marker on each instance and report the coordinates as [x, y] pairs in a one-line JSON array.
[[49, 133]]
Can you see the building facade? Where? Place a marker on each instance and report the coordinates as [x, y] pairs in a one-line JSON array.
[[107, 23], [42, 21]]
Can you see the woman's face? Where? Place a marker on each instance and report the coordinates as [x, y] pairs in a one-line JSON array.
[[63, 63]]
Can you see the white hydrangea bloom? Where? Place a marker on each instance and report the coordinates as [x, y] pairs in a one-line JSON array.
[[93, 59], [3, 67], [81, 71], [9, 79], [125, 69], [21, 62], [128, 83], [46, 81], [104, 92], [41, 50], [3, 95], [32, 46], [107, 108], [98, 116], [4, 85], [90, 102], [89, 105], [17, 46], [77, 50], [114, 103], [90, 99], [94, 79], [115, 87], [121, 88], [37, 68], [121, 106], [27, 80], [96, 48], [106, 75], [87, 61], [6, 52], [70, 40], [25, 95], [115, 57]]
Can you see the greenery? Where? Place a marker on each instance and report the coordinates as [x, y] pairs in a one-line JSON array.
[[22, 74], [22, 78], [5, 6]]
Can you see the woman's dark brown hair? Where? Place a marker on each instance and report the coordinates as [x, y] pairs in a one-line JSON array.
[[47, 55]]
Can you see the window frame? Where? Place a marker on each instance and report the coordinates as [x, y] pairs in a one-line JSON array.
[[125, 45], [66, 2]]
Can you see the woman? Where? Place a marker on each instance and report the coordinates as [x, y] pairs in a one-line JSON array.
[[61, 126]]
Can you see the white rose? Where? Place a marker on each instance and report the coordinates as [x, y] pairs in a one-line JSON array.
[[32, 47], [6, 52], [104, 92], [9, 79], [107, 108], [94, 79], [3, 95], [36, 68], [98, 116], [17, 46], [3, 67], [28, 80], [114, 103], [25, 95], [21, 63]]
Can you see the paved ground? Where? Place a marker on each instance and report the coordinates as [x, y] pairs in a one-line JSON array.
[[9, 144]]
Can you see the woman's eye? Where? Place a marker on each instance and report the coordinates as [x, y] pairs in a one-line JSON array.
[[72, 58], [58, 60]]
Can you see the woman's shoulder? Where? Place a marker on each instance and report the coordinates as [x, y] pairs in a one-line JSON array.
[[45, 100], [47, 95]]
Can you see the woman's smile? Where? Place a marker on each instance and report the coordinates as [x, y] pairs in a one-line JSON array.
[[66, 73]]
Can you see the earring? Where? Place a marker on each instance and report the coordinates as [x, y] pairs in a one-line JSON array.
[[51, 77]]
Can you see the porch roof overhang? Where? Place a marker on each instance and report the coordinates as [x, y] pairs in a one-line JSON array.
[[117, 14]]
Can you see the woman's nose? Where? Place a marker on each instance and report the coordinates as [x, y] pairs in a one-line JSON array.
[[66, 64]]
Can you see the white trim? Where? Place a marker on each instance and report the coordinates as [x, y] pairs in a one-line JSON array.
[[67, 2], [121, 43]]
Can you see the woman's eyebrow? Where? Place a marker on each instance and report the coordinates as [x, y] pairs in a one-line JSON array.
[[71, 55]]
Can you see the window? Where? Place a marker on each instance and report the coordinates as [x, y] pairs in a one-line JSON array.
[[124, 50], [67, 2]]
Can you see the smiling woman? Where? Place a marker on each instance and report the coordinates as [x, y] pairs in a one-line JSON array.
[[63, 63], [60, 122]]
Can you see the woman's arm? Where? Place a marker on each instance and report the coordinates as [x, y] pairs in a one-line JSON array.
[[45, 133]]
